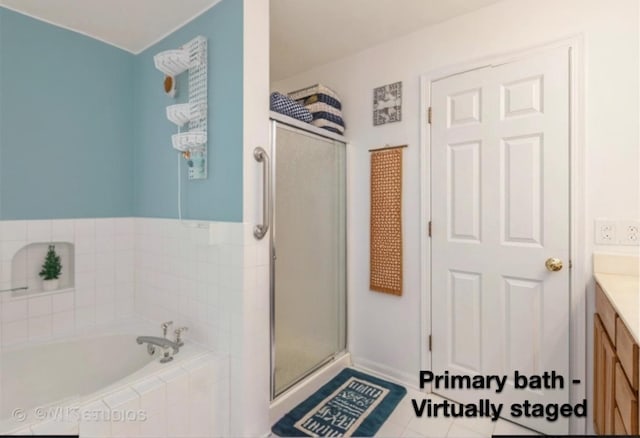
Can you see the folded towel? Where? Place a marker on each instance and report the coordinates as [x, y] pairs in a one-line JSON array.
[[323, 115], [330, 129], [322, 98], [314, 89], [323, 107], [289, 107], [329, 126]]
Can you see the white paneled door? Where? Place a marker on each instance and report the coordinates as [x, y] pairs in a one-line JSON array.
[[500, 221]]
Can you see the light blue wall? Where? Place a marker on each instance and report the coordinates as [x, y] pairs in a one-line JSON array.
[[66, 123], [83, 131], [220, 196]]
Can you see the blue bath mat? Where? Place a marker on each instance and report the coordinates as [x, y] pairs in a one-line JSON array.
[[351, 404]]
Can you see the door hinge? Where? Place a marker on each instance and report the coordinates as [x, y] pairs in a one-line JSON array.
[[429, 228], [429, 115], [429, 342]]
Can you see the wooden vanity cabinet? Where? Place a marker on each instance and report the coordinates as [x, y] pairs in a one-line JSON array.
[[598, 376], [615, 355], [604, 379]]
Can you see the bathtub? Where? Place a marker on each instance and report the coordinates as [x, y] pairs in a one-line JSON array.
[[104, 384]]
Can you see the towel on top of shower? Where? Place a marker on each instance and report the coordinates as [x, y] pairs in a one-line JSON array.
[[320, 107], [325, 107], [322, 98], [285, 105], [329, 126], [317, 93], [321, 115], [322, 111]]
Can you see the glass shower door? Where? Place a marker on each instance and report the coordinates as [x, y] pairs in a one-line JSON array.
[[309, 249]]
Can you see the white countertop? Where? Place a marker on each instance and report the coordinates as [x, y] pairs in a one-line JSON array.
[[624, 293]]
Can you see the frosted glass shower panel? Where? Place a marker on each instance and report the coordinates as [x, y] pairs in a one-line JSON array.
[[309, 245]]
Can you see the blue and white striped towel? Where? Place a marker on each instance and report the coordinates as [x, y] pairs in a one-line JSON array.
[[329, 126], [322, 98]]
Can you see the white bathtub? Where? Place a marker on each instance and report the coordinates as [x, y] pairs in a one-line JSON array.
[[40, 375], [47, 388]]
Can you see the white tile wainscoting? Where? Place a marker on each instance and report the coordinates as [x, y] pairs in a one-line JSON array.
[[212, 279], [208, 276], [184, 276], [158, 269], [104, 278]]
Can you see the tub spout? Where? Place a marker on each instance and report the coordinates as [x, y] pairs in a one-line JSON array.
[[158, 342]]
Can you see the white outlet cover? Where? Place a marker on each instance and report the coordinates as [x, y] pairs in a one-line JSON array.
[[606, 232], [629, 233]]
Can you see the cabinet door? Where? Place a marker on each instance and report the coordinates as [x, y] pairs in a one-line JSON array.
[[626, 401], [609, 371], [627, 350], [606, 312], [618, 424], [598, 375]]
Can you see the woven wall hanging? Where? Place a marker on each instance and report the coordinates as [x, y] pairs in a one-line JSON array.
[[386, 220]]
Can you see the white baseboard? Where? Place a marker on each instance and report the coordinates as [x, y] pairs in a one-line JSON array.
[[406, 379]]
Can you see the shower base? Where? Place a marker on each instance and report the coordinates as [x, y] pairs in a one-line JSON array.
[[292, 363], [307, 386]]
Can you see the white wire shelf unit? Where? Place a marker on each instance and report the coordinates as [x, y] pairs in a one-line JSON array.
[[191, 58]]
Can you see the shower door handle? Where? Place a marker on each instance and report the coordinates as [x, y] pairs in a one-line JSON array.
[[261, 156]]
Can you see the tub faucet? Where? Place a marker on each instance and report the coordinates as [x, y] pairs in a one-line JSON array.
[[169, 348], [178, 332], [165, 327]]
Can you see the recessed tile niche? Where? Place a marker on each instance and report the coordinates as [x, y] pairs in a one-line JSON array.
[[27, 263]]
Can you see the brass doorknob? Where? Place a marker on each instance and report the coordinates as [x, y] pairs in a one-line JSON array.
[[553, 264]]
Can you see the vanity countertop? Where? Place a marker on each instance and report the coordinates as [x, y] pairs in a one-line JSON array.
[[623, 292]]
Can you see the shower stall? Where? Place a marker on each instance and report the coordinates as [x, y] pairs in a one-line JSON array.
[[307, 200]]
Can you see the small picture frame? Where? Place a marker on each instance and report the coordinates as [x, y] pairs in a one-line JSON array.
[[387, 104]]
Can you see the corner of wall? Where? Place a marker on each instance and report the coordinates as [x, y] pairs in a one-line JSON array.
[[1, 93], [250, 385], [219, 197]]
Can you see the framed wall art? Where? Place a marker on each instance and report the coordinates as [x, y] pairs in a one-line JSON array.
[[387, 104]]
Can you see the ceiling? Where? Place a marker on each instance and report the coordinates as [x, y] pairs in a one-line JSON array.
[[304, 33], [132, 25], [307, 33]]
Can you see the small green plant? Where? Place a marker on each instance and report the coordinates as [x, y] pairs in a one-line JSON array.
[[51, 268]]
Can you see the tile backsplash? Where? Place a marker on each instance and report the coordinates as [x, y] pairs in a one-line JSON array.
[[102, 288], [157, 269], [185, 275], [208, 276]]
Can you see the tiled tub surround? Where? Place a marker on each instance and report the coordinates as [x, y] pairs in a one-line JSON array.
[[144, 270], [128, 396], [193, 273], [158, 269], [189, 272], [103, 285]]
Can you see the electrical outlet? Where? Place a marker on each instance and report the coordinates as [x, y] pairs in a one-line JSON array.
[[606, 232], [629, 232]]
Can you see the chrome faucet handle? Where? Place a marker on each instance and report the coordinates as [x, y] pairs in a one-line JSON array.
[[178, 332], [166, 356], [165, 327]]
